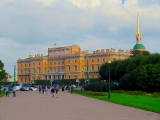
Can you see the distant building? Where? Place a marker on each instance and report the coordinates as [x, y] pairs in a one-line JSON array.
[[10, 78], [66, 63]]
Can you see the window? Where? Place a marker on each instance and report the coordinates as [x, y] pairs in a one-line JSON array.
[[114, 59], [97, 60], [39, 63], [45, 63], [55, 63], [58, 63], [54, 69], [25, 65], [25, 79], [50, 69], [29, 65], [103, 59], [21, 65], [33, 63], [29, 79], [21, 71], [62, 62], [98, 67], [92, 68], [75, 76], [68, 61], [58, 69], [68, 68], [21, 80], [50, 63], [75, 67], [39, 69], [28, 70], [63, 69], [75, 61], [92, 60]]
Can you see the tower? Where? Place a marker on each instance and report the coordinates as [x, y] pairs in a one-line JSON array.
[[139, 46]]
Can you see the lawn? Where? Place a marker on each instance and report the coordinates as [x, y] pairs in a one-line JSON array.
[[148, 103], [4, 94]]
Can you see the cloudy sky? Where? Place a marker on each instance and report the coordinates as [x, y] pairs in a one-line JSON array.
[[32, 26]]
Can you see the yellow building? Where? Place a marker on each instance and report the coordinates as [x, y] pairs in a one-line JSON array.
[[66, 62]]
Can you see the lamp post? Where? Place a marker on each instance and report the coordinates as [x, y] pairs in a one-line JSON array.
[[69, 77], [82, 80], [109, 89]]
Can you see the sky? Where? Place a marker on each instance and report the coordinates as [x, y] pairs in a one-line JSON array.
[[30, 27]]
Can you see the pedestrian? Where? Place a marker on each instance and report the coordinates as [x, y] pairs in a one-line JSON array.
[[7, 91], [65, 87], [62, 88], [52, 92], [14, 92], [39, 89], [72, 89], [46, 89], [43, 89], [57, 89]]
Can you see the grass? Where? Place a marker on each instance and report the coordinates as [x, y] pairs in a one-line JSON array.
[[4, 94], [148, 103]]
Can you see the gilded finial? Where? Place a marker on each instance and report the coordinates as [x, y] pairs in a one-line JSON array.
[[138, 26]]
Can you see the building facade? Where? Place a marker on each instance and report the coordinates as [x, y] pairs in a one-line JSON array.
[[66, 62]]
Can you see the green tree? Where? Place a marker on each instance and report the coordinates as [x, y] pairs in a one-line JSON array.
[[2, 73]]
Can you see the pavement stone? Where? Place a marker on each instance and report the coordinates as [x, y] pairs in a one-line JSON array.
[[31, 105]]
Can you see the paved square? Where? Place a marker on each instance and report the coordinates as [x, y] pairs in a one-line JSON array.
[[31, 105]]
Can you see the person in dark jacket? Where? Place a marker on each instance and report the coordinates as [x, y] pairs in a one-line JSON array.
[[39, 89], [52, 92], [14, 92], [43, 88], [62, 88]]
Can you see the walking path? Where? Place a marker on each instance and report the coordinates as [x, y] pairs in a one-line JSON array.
[[31, 105]]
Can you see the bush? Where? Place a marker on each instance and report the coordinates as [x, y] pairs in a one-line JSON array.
[[99, 87], [96, 87], [119, 91], [156, 95], [95, 93], [130, 92]]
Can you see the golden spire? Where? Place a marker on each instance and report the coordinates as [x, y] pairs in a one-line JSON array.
[[138, 26]]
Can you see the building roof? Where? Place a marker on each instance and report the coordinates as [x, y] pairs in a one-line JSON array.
[[139, 47]]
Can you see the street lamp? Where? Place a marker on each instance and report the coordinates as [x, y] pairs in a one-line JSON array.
[[69, 77], [82, 80], [109, 89]]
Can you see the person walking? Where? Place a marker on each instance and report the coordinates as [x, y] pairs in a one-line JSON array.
[[43, 88], [52, 92], [62, 88], [72, 89], [14, 92], [7, 91], [46, 89], [57, 89], [39, 89]]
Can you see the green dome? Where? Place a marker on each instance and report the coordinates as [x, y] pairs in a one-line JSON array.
[[139, 47]]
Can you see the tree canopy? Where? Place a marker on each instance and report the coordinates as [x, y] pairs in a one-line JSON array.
[[141, 72], [2, 73]]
